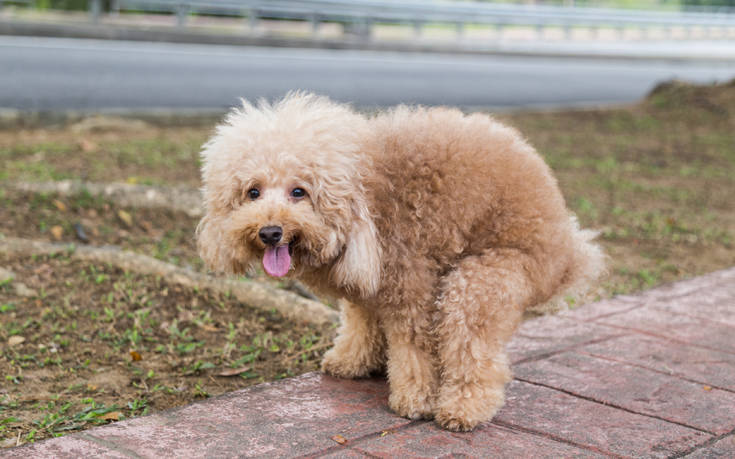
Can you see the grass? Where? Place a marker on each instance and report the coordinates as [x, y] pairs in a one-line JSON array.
[[92, 344], [113, 149], [100, 344]]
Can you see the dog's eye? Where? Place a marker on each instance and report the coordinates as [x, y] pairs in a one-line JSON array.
[[298, 193], [253, 193]]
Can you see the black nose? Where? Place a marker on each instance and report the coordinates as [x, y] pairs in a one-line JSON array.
[[270, 234]]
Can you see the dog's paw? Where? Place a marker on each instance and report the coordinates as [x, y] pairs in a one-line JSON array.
[[412, 406], [455, 421], [341, 366], [462, 408]]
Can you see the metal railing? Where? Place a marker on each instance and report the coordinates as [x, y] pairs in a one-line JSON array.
[[361, 15]]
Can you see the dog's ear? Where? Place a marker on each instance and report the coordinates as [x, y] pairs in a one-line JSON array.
[[358, 267], [216, 249], [209, 239]]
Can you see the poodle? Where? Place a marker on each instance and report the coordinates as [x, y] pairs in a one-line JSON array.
[[435, 229]]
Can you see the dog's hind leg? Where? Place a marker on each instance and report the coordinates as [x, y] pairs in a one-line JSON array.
[[480, 305], [359, 348]]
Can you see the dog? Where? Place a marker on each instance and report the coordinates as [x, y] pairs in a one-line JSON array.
[[437, 229]]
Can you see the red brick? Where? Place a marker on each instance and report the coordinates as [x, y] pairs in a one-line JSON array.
[[724, 448], [591, 424], [425, 440], [707, 366], [288, 418], [545, 335], [689, 329], [635, 389]]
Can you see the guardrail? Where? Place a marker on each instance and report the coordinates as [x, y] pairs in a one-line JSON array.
[[359, 16], [365, 13]]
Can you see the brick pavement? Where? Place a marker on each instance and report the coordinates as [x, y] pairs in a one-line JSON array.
[[651, 375]]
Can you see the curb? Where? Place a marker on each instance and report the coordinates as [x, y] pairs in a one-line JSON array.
[[179, 198], [258, 295]]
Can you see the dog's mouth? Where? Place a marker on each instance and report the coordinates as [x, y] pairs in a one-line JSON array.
[[277, 259]]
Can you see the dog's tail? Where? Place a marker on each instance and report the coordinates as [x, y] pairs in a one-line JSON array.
[[586, 267]]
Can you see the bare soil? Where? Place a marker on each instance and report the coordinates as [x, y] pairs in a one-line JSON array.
[[161, 233]]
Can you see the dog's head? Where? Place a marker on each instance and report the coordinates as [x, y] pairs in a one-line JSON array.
[[283, 189]]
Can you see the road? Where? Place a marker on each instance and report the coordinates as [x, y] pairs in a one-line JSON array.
[[41, 74]]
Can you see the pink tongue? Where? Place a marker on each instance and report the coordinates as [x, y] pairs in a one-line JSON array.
[[276, 260]]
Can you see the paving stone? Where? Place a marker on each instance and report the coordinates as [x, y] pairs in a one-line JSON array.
[[724, 448], [712, 304], [686, 328], [722, 282], [719, 281], [426, 440], [708, 282], [546, 335], [620, 303], [287, 418], [593, 425], [636, 389], [707, 366], [69, 447]]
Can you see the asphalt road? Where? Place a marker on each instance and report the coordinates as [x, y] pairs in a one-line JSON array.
[[42, 74]]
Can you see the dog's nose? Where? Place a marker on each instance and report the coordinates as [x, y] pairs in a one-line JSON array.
[[270, 234]]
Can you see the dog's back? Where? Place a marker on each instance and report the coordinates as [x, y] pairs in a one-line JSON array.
[[447, 186]]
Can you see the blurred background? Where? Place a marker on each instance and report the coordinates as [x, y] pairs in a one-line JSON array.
[[204, 54], [106, 311]]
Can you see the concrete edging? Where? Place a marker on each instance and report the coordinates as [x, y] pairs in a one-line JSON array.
[[255, 294]]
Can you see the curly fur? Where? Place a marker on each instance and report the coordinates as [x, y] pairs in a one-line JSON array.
[[438, 229]]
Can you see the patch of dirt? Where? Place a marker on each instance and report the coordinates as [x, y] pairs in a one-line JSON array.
[[96, 344], [161, 233]]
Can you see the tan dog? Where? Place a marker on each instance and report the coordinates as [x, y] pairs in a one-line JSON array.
[[438, 229]]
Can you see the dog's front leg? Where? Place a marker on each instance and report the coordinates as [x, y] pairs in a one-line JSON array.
[[359, 348], [412, 371]]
